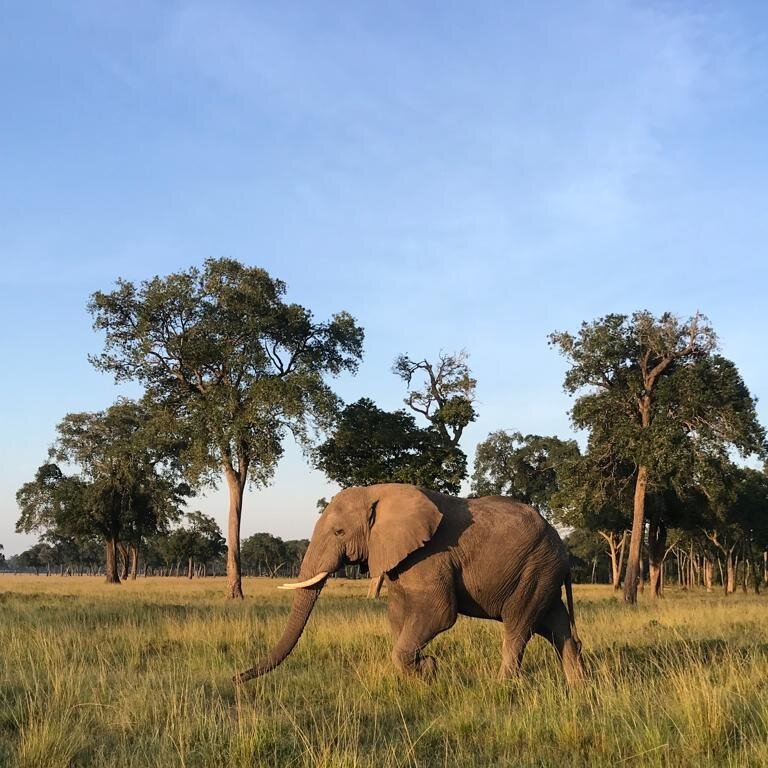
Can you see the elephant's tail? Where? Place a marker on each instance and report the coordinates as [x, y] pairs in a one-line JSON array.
[[571, 615]]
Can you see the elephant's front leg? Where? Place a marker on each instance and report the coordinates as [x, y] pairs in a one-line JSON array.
[[414, 622]]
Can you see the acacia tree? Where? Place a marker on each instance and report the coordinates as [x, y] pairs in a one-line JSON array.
[[526, 467], [127, 479], [443, 393], [594, 495], [32, 557], [736, 522], [587, 555], [198, 540], [235, 363], [369, 445], [655, 393], [263, 551], [56, 504], [447, 394]]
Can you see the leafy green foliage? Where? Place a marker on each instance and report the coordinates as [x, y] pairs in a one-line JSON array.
[[198, 538], [264, 553], [235, 363], [127, 483], [654, 393], [370, 445], [662, 409], [587, 554], [738, 509], [526, 467]]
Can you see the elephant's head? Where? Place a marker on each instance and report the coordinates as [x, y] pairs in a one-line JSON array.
[[379, 525]]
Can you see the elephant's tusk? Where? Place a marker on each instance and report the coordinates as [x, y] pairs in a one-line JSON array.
[[374, 588], [308, 583]]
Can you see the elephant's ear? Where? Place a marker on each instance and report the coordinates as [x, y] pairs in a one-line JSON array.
[[403, 519]]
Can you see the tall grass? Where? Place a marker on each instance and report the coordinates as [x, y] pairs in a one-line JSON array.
[[139, 675]]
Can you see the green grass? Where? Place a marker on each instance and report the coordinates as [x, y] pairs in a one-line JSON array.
[[139, 675]]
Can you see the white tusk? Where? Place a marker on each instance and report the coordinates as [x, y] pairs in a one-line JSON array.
[[375, 587], [308, 583]]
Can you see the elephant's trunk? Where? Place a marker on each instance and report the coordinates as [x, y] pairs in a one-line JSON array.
[[303, 602]]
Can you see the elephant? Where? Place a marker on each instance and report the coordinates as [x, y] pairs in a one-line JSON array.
[[441, 556]]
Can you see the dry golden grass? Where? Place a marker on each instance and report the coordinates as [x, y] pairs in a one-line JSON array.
[[139, 675]]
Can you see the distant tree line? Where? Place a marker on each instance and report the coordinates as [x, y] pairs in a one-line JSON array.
[[194, 547]]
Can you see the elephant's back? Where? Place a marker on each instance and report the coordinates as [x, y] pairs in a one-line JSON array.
[[507, 517], [504, 548], [501, 525]]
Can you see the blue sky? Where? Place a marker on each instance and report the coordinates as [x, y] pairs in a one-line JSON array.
[[454, 174]]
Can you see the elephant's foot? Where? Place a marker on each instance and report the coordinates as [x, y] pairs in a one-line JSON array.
[[414, 664], [426, 667], [573, 666]]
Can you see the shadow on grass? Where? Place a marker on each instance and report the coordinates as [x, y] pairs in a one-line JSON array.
[[652, 659]]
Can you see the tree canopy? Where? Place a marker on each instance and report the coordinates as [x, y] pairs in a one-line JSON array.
[[446, 396], [370, 445], [527, 467]]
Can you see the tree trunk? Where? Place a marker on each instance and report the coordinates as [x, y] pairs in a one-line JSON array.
[[190, 568], [234, 575], [123, 560], [657, 541], [709, 570], [622, 552], [614, 555], [694, 571], [616, 551], [745, 579], [730, 573], [636, 539], [111, 559], [134, 560]]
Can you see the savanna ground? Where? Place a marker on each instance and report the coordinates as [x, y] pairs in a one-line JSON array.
[[139, 675]]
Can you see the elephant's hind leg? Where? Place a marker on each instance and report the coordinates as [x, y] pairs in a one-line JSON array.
[[555, 626], [519, 616], [512, 651]]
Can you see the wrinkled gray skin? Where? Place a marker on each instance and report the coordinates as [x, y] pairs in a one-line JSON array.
[[492, 558]]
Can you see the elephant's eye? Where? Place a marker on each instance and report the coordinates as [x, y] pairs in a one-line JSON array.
[[339, 532]]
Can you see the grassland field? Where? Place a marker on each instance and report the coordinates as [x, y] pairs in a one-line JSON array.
[[139, 676]]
